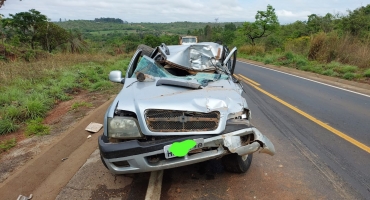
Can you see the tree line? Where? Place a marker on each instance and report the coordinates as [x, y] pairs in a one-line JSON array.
[[33, 30], [267, 30], [110, 20]]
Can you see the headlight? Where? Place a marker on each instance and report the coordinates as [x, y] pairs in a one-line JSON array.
[[123, 128]]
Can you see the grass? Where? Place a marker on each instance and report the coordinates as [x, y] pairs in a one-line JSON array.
[[8, 126], [79, 104], [367, 73], [35, 127], [28, 90], [8, 144], [289, 59]]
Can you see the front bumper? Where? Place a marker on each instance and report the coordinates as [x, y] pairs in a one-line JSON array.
[[138, 157]]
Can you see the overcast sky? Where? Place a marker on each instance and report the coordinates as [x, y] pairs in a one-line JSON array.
[[179, 10]]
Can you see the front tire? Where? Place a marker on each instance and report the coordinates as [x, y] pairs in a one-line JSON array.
[[237, 164]]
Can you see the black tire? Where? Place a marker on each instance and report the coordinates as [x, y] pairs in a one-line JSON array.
[[146, 50], [235, 163]]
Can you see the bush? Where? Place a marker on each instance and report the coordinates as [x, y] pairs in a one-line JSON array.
[[35, 127], [348, 76], [301, 63], [289, 55], [267, 61], [346, 69], [298, 45], [252, 50], [328, 72], [35, 108], [12, 112], [7, 126], [367, 73]]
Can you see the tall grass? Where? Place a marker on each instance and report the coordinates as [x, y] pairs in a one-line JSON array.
[[345, 49]]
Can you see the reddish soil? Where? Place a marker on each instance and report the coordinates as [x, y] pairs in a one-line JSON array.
[[59, 119]]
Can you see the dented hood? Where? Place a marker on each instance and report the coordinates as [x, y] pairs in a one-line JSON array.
[[220, 96]]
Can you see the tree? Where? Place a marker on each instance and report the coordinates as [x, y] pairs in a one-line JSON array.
[[26, 25], [152, 40], [266, 23], [75, 43], [52, 36], [357, 22]]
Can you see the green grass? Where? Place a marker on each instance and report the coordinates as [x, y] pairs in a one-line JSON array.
[[79, 104], [101, 85], [349, 76], [35, 127], [289, 59], [11, 94], [7, 126], [12, 112], [367, 73], [31, 97], [346, 69], [328, 72], [8, 144], [35, 108]]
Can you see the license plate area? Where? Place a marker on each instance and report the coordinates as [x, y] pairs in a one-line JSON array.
[[199, 144]]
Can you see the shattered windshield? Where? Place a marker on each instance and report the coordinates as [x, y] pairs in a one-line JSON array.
[[150, 67]]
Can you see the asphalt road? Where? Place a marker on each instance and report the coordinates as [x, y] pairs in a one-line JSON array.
[[344, 164]]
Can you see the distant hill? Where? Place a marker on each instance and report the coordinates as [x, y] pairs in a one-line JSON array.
[[101, 27]]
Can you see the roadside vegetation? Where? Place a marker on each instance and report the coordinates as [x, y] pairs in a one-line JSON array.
[[29, 90], [334, 45]]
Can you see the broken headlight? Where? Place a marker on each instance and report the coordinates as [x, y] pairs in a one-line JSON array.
[[123, 128]]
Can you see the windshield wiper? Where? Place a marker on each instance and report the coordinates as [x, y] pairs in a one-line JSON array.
[[178, 84]]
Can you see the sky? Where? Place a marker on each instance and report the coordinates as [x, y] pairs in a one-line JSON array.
[[180, 10]]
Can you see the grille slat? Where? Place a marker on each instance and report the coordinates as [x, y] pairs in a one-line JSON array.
[[181, 121]]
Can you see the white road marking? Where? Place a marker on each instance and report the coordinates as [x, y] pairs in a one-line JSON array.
[[154, 186], [308, 79]]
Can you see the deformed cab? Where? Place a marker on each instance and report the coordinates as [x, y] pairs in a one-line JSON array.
[[174, 95]]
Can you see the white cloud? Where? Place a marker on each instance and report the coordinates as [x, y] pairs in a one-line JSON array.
[[178, 10], [286, 14]]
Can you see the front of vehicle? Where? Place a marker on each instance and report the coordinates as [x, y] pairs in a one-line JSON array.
[[157, 109]]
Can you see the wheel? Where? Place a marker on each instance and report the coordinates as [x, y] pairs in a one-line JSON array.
[[146, 50], [237, 164]]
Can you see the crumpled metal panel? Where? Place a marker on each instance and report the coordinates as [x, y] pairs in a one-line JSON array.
[[149, 67], [203, 56]]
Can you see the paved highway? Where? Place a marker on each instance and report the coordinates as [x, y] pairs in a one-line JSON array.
[[344, 159]]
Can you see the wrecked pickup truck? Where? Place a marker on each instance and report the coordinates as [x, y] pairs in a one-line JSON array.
[[179, 105]]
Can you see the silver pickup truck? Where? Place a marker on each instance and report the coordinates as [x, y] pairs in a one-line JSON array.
[[179, 105]]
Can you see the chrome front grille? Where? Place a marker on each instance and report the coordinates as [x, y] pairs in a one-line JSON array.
[[181, 121]]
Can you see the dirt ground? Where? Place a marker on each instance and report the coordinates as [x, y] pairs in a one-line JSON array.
[[59, 119]]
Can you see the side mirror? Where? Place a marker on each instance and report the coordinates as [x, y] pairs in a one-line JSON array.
[[116, 77]]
